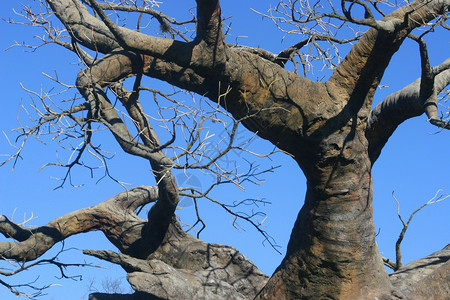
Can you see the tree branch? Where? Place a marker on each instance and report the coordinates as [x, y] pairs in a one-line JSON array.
[[165, 21], [399, 107], [286, 54], [122, 230], [360, 72], [225, 272], [209, 25], [82, 26], [190, 55], [369, 20], [398, 253]]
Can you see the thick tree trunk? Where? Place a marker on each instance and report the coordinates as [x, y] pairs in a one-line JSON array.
[[332, 252]]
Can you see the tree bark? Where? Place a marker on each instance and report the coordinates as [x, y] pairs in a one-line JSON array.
[[332, 251], [328, 128]]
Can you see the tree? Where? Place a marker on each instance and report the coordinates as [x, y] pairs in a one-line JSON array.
[[329, 128]]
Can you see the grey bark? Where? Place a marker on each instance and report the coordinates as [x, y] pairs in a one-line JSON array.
[[209, 272], [426, 278]]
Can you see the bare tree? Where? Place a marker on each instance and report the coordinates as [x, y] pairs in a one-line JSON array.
[[329, 128]]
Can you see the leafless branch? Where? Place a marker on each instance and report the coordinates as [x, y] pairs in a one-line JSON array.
[[166, 23], [255, 218], [438, 197], [39, 290]]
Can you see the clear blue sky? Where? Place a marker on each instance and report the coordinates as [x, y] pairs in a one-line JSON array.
[[415, 163]]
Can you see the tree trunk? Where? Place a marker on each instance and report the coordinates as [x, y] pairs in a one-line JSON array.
[[332, 252]]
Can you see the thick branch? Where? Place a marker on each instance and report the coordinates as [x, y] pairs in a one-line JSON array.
[[425, 278], [197, 55], [12, 230], [182, 259], [156, 278], [209, 25], [164, 20], [90, 83], [121, 229], [399, 107], [198, 67], [95, 35], [361, 71], [82, 26], [427, 92]]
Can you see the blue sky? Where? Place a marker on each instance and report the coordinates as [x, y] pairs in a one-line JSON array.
[[414, 163]]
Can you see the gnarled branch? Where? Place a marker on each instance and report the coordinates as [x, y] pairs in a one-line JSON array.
[[121, 229]]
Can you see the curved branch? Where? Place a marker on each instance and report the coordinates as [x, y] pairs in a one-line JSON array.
[[427, 87], [200, 270], [369, 20], [122, 229], [82, 26], [155, 278], [360, 72], [95, 35], [205, 53], [106, 36], [90, 83], [87, 29], [399, 107], [427, 92], [165, 21], [398, 253]]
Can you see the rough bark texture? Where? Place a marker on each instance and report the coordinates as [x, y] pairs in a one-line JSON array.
[[228, 275], [426, 278], [123, 230], [328, 128]]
